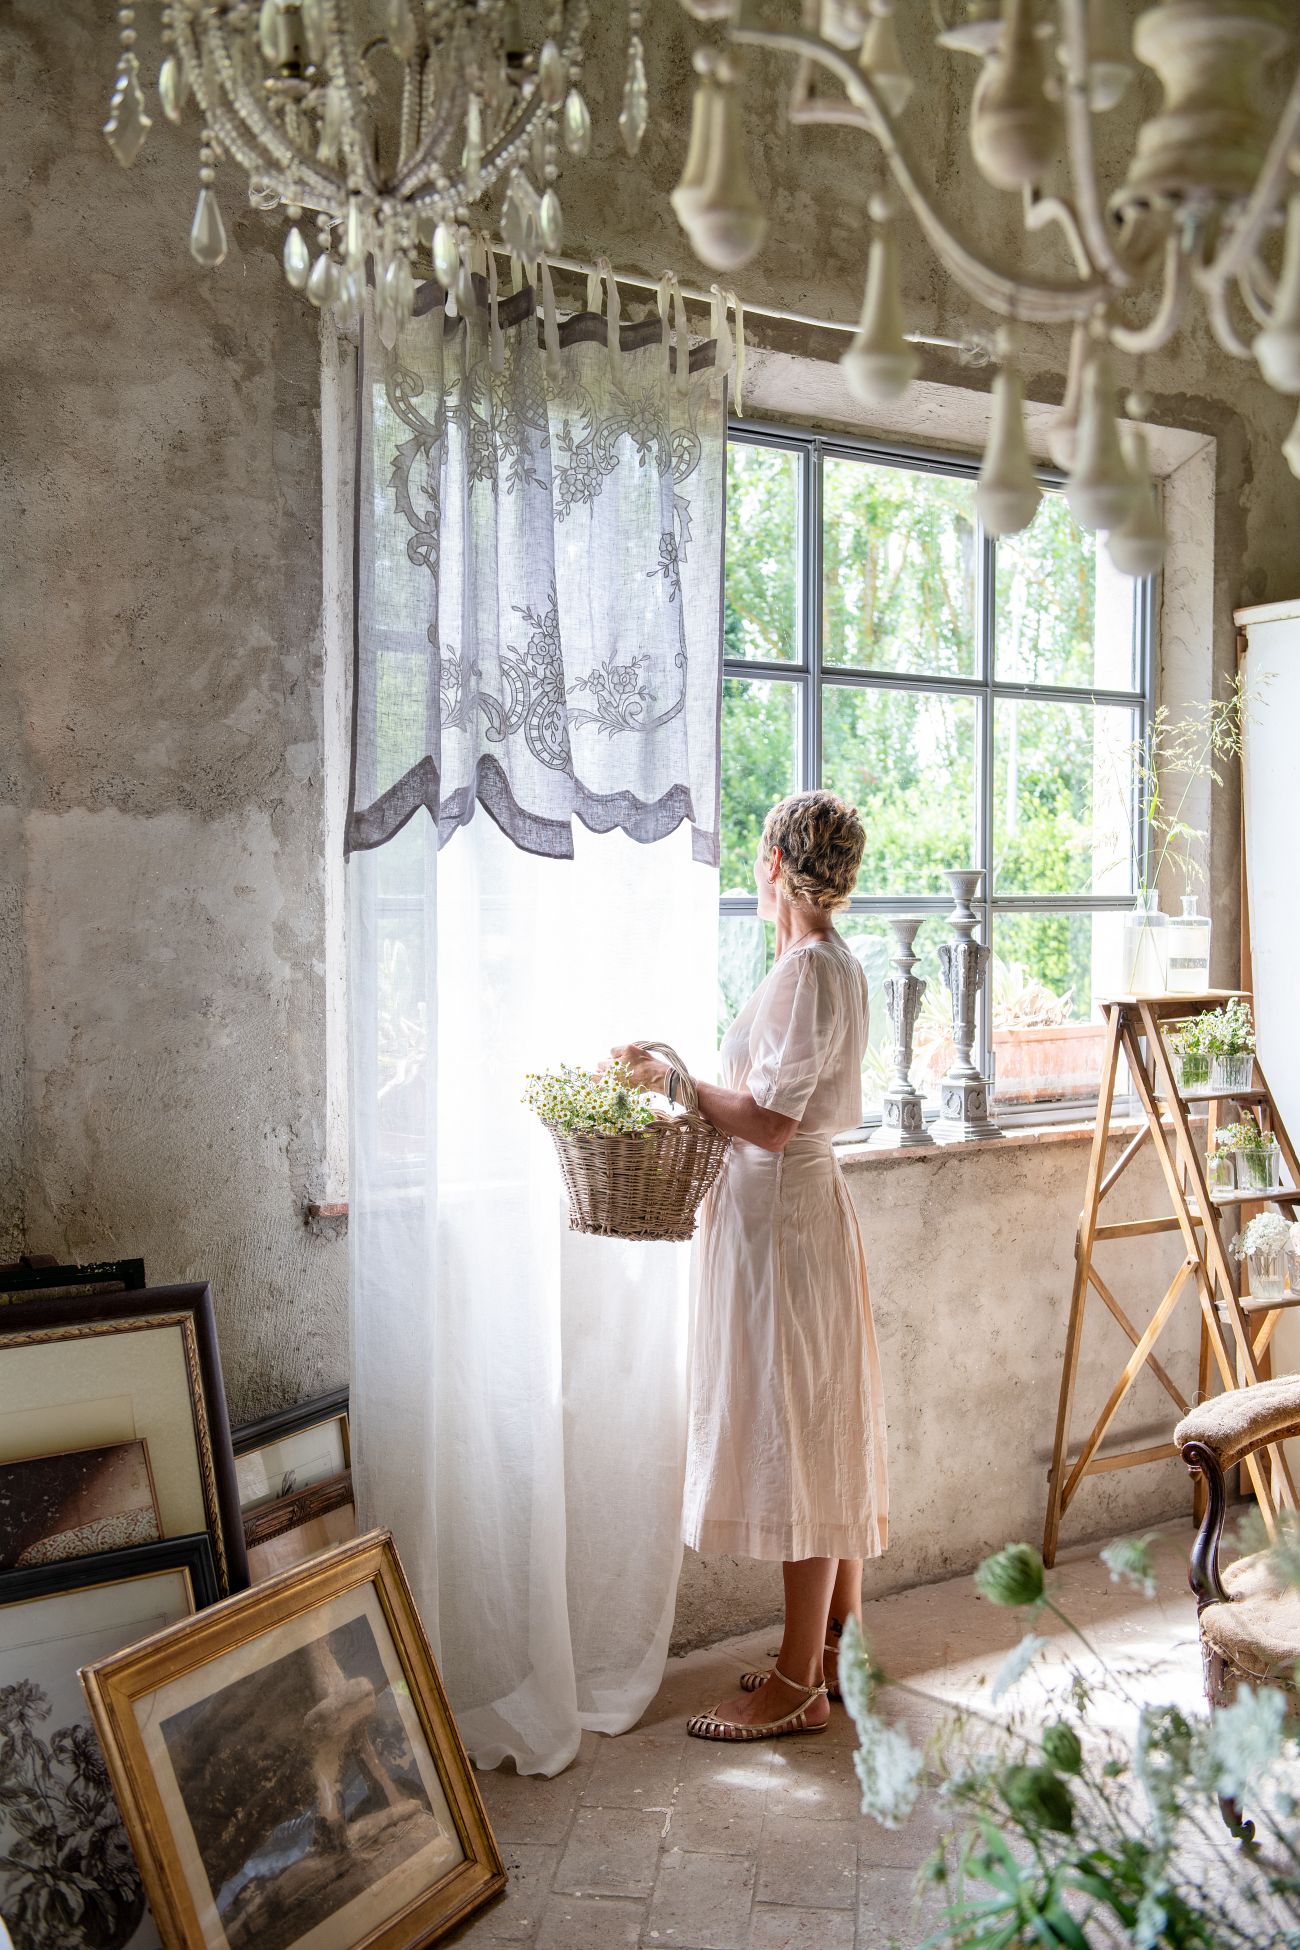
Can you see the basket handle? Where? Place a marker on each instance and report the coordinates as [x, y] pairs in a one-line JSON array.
[[690, 1096]]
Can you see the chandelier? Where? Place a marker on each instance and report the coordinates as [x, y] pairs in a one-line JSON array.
[[1208, 186], [384, 122]]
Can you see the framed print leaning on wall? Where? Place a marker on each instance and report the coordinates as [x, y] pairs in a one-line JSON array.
[[289, 1771], [289, 1451], [90, 1372], [67, 1875]]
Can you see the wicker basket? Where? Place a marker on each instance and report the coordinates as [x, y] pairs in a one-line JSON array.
[[648, 1184]]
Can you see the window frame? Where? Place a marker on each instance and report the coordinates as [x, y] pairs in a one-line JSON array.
[[808, 673]]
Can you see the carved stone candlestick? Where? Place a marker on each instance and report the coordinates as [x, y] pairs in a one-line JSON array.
[[964, 1093], [903, 1114]]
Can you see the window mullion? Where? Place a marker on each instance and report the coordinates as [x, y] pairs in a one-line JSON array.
[[985, 625], [812, 574]]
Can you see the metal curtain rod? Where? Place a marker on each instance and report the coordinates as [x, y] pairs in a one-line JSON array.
[[973, 350]]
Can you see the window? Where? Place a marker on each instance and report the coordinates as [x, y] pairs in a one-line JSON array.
[[978, 700]]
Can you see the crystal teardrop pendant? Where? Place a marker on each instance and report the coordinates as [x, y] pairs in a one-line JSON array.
[[173, 87], [446, 255], [635, 111], [1008, 493], [323, 284], [577, 123], [400, 30], [880, 364], [1100, 490], [348, 305], [297, 258], [550, 221], [552, 74], [399, 286], [521, 218], [128, 122], [354, 248], [1138, 547], [207, 232]]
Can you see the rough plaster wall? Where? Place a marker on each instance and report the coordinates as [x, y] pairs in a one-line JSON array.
[[971, 1258], [161, 893]]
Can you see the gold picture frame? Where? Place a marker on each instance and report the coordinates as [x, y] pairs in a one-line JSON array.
[[308, 1707]]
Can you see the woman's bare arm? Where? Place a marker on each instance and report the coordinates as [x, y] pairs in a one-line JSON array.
[[731, 1111]]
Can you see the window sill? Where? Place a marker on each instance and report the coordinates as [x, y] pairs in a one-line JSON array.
[[858, 1155]]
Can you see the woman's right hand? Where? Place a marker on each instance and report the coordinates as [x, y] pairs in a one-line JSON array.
[[641, 1068]]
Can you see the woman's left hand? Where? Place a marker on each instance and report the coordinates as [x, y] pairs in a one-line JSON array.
[[649, 1072]]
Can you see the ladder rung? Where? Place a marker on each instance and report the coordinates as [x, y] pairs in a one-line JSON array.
[[1136, 1228], [1128, 1459]]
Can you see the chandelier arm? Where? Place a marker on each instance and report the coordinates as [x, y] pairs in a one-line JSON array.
[[269, 142], [1081, 151], [1042, 303], [1138, 339], [1252, 297], [409, 122], [1039, 211], [425, 164], [342, 63], [1244, 238], [1215, 293]]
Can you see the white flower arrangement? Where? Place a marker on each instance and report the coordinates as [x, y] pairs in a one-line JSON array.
[[1268, 1233], [573, 1099]]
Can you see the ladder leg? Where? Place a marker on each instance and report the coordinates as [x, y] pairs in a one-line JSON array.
[[1079, 1297]]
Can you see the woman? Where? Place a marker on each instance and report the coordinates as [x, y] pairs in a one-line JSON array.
[[786, 1455]]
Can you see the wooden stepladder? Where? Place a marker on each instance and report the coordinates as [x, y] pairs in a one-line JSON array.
[[1235, 1329]]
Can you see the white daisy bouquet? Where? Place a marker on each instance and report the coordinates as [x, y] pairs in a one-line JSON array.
[[574, 1100]]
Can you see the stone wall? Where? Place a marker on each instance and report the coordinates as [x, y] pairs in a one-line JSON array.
[[162, 1030]]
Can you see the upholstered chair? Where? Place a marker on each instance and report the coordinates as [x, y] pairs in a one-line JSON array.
[[1249, 1617]]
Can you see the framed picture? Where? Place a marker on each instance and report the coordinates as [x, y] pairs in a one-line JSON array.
[[289, 1451], [75, 1503], [28, 1277], [289, 1771], [96, 1370], [287, 1532], [67, 1875]]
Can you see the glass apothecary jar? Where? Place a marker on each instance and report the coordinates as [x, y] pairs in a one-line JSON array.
[[1187, 950], [1142, 946], [1220, 1172]]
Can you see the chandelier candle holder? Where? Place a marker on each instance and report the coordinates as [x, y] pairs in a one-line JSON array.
[[377, 125], [903, 1115], [964, 1093], [1209, 186]]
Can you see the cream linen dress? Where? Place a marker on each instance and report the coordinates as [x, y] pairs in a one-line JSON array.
[[786, 1455]]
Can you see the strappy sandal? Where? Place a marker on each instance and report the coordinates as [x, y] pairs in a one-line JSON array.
[[707, 1726], [751, 1681]]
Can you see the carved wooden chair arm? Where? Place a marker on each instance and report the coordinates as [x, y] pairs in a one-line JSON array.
[[1213, 1438]]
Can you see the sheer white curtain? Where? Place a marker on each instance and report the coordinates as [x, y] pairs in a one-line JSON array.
[[518, 1390]]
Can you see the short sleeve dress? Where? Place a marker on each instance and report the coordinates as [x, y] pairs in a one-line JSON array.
[[786, 1455]]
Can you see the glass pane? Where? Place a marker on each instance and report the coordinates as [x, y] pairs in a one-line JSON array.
[[1046, 971], [1065, 615], [746, 951], [898, 569], [760, 732], [1062, 797], [906, 760], [868, 936], [762, 553]]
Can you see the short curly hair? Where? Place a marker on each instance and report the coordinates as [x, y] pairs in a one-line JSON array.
[[821, 840]]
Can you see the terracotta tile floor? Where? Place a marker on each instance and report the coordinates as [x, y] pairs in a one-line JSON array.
[[657, 1842]]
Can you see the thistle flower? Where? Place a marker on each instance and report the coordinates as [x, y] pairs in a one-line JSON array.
[[1062, 1749], [1039, 1797], [1012, 1577]]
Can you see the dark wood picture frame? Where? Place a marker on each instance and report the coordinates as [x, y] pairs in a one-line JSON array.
[[292, 1421], [82, 1317], [299, 1507], [192, 1554], [32, 1276]]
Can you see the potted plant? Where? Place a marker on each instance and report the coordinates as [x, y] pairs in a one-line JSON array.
[[1255, 1154], [1192, 1059], [1265, 1243], [1228, 1035]]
